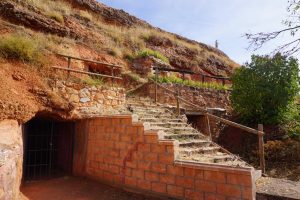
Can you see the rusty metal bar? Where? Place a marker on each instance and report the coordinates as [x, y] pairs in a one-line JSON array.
[[261, 150], [86, 60], [89, 73]]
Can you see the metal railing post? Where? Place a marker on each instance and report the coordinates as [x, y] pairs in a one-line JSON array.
[[261, 148], [156, 80], [69, 66]]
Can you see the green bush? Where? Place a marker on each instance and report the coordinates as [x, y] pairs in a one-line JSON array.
[[190, 83], [20, 48], [95, 81], [264, 89], [291, 123], [155, 54]]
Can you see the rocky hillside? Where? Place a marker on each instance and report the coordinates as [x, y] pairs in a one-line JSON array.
[[33, 31], [92, 30]]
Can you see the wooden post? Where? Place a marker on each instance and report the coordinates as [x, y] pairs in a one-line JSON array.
[[69, 66], [223, 82], [177, 104], [112, 74], [156, 80], [208, 127], [261, 148]]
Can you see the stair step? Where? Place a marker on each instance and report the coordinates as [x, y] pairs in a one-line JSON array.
[[184, 137], [158, 128], [195, 143], [201, 150], [169, 124]]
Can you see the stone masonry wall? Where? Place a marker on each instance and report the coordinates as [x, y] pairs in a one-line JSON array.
[[203, 97], [122, 153], [91, 100], [11, 156]]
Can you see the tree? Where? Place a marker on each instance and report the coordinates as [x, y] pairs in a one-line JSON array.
[[264, 89], [292, 24]]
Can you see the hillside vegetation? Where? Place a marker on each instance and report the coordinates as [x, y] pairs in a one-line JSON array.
[[66, 26]]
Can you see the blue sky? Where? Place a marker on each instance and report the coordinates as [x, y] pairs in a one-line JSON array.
[[210, 20]]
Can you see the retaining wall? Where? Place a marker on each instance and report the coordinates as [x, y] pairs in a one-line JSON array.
[[90, 100], [122, 153], [11, 157]]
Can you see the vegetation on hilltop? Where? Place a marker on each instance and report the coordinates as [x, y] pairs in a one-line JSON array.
[[114, 32]]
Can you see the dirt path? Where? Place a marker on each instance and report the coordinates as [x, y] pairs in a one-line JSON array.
[[71, 188]]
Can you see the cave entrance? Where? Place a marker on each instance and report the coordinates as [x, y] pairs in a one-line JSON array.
[[48, 148]]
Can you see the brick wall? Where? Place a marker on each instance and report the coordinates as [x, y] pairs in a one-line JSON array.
[[121, 153]]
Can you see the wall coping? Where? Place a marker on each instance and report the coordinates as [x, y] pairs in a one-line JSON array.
[[214, 167]]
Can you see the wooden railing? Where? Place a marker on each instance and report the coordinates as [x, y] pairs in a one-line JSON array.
[[259, 132], [69, 69], [183, 72]]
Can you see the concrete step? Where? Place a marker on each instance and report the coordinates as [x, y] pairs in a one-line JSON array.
[[178, 130], [158, 128], [189, 151], [169, 124], [184, 137], [195, 143], [155, 119]]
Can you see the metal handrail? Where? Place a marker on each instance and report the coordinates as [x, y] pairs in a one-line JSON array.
[[208, 115]]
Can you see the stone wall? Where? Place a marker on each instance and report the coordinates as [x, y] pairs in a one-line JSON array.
[[203, 97], [91, 100], [122, 153], [11, 157]]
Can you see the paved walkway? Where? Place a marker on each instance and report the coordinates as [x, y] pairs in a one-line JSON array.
[[273, 188], [71, 188]]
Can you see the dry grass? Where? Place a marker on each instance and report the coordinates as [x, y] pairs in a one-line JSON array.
[[47, 6], [20, 47], [86, 15]]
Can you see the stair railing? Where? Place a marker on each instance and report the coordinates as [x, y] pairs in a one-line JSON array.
[[259, 132]]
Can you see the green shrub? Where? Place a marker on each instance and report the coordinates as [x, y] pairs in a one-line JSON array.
[[155, 54], [93, 81], [20, 48], [190, 83], [291, 123], [264, 89]]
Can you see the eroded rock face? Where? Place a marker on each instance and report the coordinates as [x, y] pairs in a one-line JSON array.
[[111, 15], [11, 158], [19, 15]]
